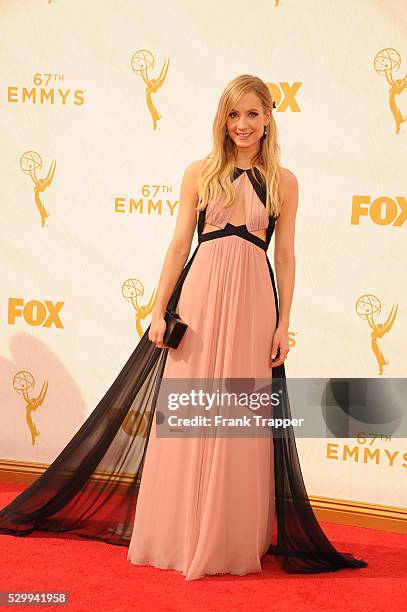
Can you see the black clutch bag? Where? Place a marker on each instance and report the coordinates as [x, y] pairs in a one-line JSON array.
[[175, 328]]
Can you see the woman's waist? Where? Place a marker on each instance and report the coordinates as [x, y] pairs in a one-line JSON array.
[[212, 232]]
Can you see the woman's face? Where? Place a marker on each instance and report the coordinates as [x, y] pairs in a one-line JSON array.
[[245, 122]]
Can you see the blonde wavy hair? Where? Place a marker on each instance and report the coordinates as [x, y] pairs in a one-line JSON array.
[[216, 173]]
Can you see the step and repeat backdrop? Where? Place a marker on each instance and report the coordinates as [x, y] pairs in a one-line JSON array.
[[103, 104]]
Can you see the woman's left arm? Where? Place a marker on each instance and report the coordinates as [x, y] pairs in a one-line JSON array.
[[284, 263]]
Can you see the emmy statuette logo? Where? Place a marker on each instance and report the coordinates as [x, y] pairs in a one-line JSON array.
[[30, 163], [135, 424], [386, 62], [368, 307], [23, 382], [143, 63], [132, 291]]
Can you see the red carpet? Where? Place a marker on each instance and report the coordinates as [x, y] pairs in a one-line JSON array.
[[97, 576]]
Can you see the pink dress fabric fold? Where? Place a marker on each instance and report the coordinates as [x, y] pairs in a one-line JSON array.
[[206, 505]]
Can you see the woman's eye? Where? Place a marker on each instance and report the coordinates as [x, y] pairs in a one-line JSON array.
[[252, 113]]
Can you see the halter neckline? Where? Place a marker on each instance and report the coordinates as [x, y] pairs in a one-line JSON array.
[[246, 169]]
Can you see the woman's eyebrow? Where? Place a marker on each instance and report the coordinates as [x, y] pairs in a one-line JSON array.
[[249, 111]]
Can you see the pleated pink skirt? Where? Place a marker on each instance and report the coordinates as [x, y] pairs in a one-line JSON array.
[[206, 504]]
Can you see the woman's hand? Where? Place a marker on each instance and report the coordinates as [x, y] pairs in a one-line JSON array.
[[157, 331], [280, 343]]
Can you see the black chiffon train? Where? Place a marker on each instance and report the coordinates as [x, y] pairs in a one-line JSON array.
[[91, 488]]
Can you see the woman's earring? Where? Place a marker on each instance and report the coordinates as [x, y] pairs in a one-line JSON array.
[[265, 132]]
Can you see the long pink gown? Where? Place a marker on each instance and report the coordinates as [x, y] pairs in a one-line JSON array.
[[207, 505]]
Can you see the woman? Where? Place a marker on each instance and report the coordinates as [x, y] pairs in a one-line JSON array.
[[205, 505], [228, 301]]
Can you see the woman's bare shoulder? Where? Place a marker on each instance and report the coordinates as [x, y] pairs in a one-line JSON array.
[[192, 173], [195, 167], [288, 183], [288, 177]]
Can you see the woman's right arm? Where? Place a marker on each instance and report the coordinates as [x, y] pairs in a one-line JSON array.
[[178, 250]]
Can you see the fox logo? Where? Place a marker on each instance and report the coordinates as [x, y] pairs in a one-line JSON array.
[[35, 312], [382, 210]]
